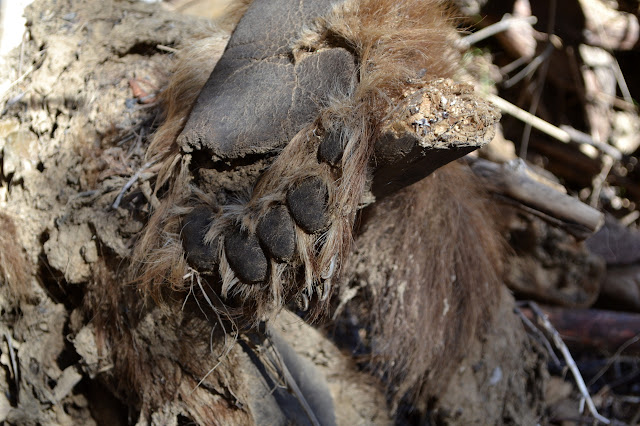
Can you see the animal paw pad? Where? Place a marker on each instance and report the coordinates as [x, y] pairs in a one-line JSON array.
[[308, 204], [245, 256], [276, 232], [331, 149], [200, 255]]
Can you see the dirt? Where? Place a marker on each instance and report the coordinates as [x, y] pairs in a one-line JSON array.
[[79, 345]]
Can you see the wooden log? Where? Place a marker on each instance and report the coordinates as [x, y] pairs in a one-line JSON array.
[[517, 182], [595, 329]]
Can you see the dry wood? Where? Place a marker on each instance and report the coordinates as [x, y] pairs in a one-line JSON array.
[[514, 179], [595, 329]]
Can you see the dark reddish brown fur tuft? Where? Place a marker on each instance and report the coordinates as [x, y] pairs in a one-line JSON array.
[[431, 257]]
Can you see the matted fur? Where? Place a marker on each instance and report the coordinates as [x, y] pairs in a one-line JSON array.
[[158, 257], [431, 257], [398, 45]]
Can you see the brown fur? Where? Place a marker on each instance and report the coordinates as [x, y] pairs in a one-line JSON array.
[[154, 358], [395, 43], [233, 13], [431, 257], [158, 256]]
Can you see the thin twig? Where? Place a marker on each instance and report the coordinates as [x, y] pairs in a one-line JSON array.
[[130, 183], [504, 24], [526, 117], [539, 335], [563, 133], [615, 101], [622, 84], [14, 363], [526, 133], [617, 72], [557, 340], [583, 138], [542, 77], [615, 356], [630, 218], [5, 90], [598, 181], [166, 48], [513, 65], [530, 68]]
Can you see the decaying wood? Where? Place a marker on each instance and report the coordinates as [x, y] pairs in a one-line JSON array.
[[517, 182], [594, 329], [621, 287], [619, 246], [544, 227]]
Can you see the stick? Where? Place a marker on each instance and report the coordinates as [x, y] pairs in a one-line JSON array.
[[5, 90], [564, 134], [130, 183], [166, 48], [557, 340], [598, 181], [530, 68], [583, 138], [539, 335], [504, 24], [524, 116], [14, 364]]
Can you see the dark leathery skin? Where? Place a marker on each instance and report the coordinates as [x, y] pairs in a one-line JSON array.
[[257, 98], [245, 257], [331, 149], [308, 205], [276, 232], [202, 256]]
